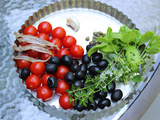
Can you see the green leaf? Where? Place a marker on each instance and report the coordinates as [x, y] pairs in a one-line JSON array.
[[137, 78], [153, 50], [129, 37], [116, 35], [96, 48], [78, 93], [84, 104], [154, 45], [132, 55], [101, 39], [91, 99], [67, 90], [109, 48], [124, 29], [145, 37], [109, 33]]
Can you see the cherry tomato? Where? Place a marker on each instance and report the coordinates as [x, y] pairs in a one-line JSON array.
[[43, 36], [57, 42], [33, 53], [60, 73], [45, 56], [45, 78], [33, 82], [61, 52], [37, 68], [44, 93], [76, 51], [23, 63], [30, 30], [62, 87], [68, 41], [45, 27], [59, 33], [64, 102], [23, 43]]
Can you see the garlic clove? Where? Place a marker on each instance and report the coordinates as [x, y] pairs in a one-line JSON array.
[[73, 23]]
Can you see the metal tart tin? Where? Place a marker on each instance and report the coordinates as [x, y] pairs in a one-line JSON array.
[[93, 16]]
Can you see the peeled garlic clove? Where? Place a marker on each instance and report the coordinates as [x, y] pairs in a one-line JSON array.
[[73, 23]]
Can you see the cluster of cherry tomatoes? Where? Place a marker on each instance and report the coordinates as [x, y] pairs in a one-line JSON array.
[[35, 75]]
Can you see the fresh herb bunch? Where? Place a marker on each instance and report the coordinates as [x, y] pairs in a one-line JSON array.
[[126, 51]]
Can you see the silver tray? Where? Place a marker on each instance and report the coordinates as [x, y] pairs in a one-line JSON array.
[[93, 16]]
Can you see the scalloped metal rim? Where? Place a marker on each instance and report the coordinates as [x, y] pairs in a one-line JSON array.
[[89, 4]]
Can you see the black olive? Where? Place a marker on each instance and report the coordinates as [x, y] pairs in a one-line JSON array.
[[88, 47], [66, 60], [90, 75], [80, 75], [69, 77], [51, 68], [96, 57], [101, 94], [52, 83], [86, 59], [83, 67], [75, 61], [74, 67], [78, 83], [103, 103], [92, 105], [24, 73], [55, 60], [83, 81], [116, 95], [111, 87], [94, 70], [102, 64], [79, 107]]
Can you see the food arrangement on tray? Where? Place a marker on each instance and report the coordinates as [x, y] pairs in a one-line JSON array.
[[51, 61]]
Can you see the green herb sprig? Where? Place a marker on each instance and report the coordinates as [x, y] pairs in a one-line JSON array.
[[127, 51]]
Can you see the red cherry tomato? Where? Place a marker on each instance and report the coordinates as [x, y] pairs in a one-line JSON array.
[[45, 56], [61, 52], [37, 68], [30, 30], [64, 102], [23, 63], [59, 33], [45, 27], [33, 53], [76, 51], [45, 78], [62, 87], [68, 41], [44, 93], [43, 36], [57, 42], [23, 43], [60, 73], [33, 82]]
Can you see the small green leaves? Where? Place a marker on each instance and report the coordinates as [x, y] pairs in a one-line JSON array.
[[137, 79], [129, 37], [145, 38], [109, 48], [132, 55], [154, 45], [95, 48]]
